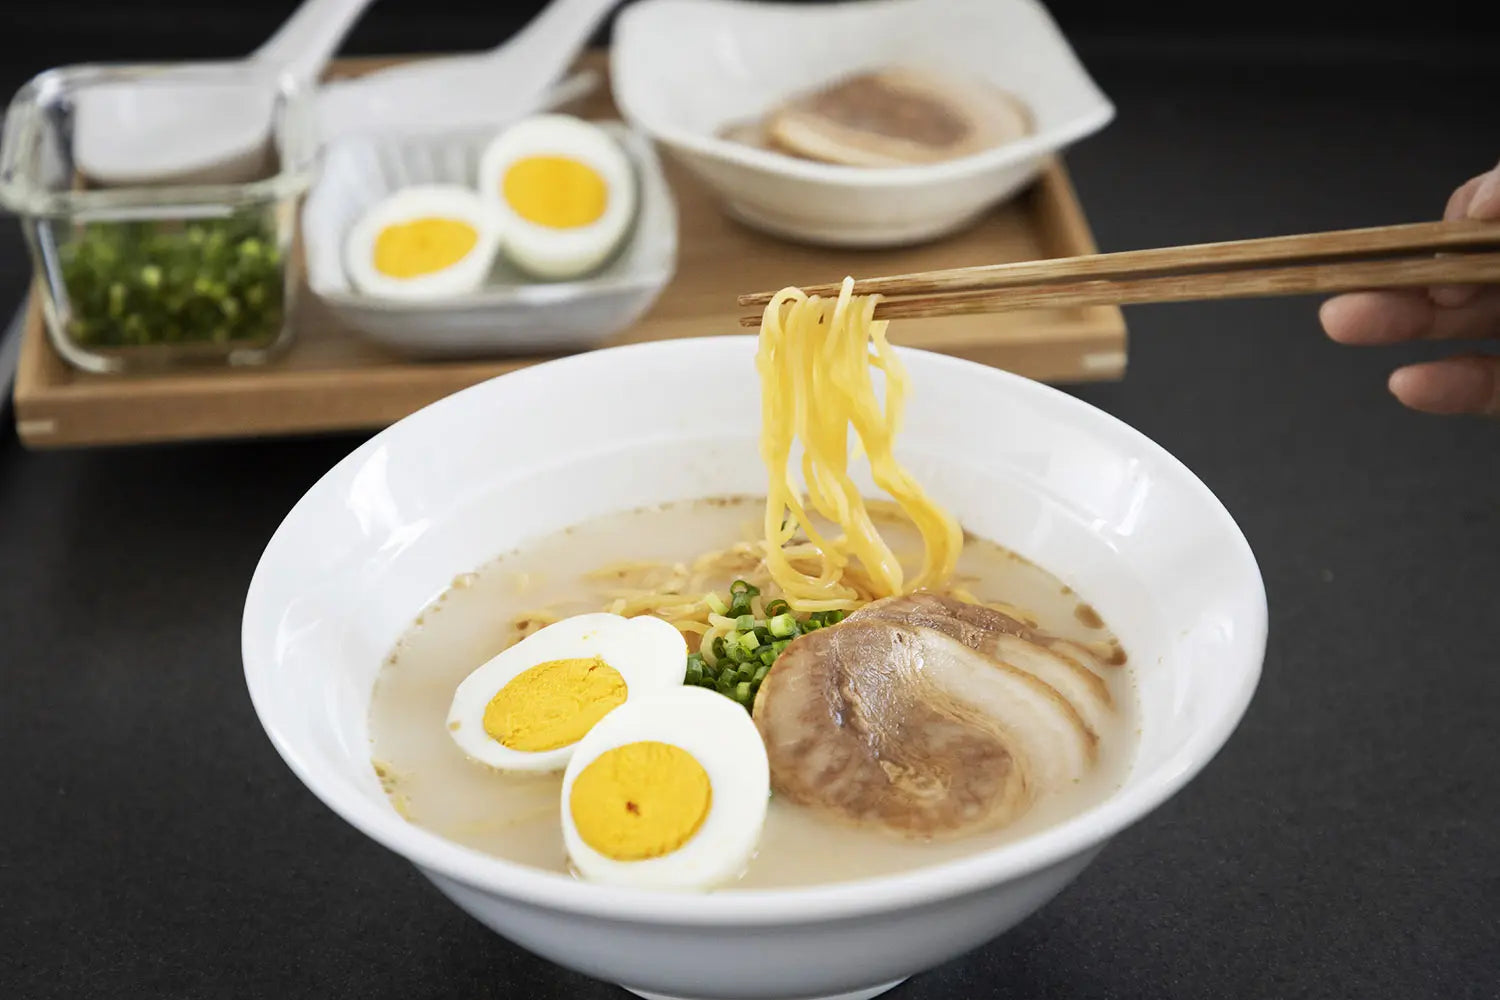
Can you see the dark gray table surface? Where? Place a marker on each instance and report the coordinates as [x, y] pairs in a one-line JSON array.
[[1344, 843]]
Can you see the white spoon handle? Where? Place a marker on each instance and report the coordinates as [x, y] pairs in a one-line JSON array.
[[538, 55], [304, 44], [495, 86]]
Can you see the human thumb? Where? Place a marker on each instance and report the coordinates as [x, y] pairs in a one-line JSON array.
[[1479, 199], [1486, 201]]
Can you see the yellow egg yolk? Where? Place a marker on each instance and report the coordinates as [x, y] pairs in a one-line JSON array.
[[641, 800], [555, 191], [423, 246], [553, 704]]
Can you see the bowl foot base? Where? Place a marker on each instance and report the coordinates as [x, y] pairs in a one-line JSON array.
[[799, 230], [864, 994]]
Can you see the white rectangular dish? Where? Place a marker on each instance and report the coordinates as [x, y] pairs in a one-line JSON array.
[[683, 69], [512, 314]]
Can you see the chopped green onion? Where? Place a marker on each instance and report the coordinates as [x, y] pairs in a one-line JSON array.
[[746, 653], [134, 283], [782, 626]]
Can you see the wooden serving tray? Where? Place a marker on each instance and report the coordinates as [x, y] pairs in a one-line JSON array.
[[333, 380]]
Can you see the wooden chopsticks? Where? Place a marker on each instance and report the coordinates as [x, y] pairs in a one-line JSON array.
[[1348, 260]]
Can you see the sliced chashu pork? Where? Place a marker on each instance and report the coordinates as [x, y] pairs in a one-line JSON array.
[[879, 723], [1001, 637], [897, 117]]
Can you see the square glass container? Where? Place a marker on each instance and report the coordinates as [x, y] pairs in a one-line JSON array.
[[187, 268]]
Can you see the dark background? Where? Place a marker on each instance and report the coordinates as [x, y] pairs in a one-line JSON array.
[[38, 34], [1345, 843]]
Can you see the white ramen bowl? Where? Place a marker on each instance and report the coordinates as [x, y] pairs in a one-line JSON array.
[[489, 468], [683, 69]]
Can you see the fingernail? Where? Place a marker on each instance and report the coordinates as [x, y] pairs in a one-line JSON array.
[[1403, 383], [1486, 201], [1451, 296]]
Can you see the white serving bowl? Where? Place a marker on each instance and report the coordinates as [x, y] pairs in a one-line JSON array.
[[512, 313], [682, 69], [488, 468]]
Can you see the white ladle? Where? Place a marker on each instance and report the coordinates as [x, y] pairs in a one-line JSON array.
[[462, 91], [174, 127]]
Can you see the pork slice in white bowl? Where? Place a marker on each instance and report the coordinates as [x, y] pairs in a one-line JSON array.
[[584, 468], [693, 73]]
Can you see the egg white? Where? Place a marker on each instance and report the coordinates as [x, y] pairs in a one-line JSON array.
[[721, 737], [422, 202], [543, 251], [649, 654]]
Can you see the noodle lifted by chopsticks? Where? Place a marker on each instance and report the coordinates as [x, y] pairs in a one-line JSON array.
[[816, 362]]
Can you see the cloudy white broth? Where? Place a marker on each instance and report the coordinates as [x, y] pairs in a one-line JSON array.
[[516, 816]]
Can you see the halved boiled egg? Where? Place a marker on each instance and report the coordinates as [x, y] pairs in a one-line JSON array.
[[423, 242], [669, 791], [527, 708], [565, 190]]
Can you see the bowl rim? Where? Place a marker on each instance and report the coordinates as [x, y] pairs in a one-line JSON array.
[[749, 907], [642, 115]]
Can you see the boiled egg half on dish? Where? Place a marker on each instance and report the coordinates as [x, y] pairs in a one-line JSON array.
[[424, 242], [527, 708], [566, 193], [669, 791]]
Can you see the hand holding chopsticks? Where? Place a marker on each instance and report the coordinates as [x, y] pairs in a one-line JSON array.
[[1349, 260]]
